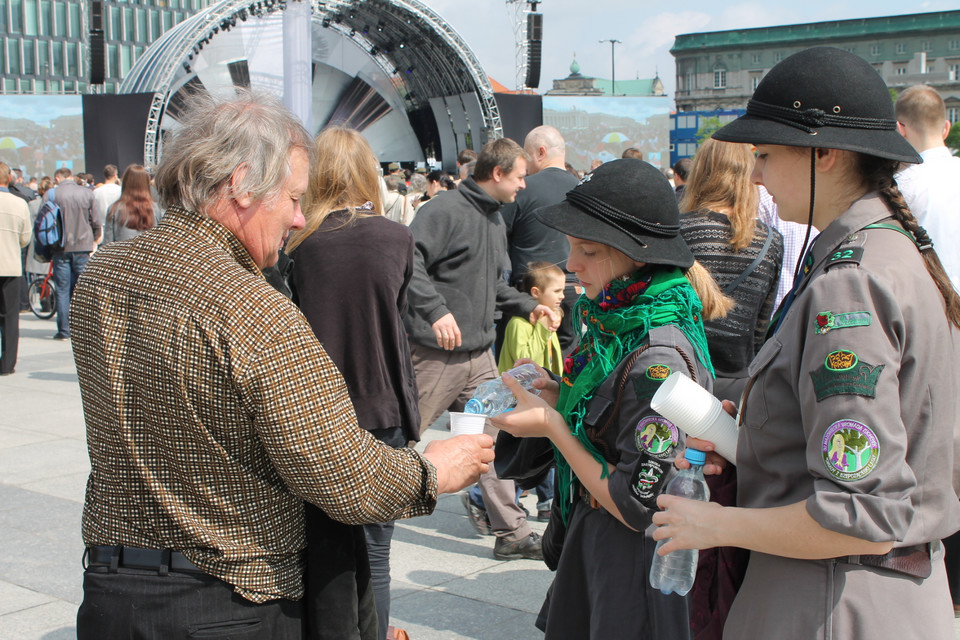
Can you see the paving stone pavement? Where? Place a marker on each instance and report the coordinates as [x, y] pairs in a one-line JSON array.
[[446, 583]]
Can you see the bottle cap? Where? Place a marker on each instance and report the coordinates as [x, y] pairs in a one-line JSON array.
[[695, 456]]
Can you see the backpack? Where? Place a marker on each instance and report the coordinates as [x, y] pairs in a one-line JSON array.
[[48, 229]]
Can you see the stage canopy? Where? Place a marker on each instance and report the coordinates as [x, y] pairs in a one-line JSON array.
[[392, 69]]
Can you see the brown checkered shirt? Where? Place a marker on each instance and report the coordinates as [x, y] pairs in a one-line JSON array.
[[212, 412]]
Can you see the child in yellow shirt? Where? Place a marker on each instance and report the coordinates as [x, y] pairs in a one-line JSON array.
[[545, 282]]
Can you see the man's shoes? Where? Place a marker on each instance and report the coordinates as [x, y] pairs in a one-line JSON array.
[[543, 516], [477, 514], [61, 336], [6, 373], [528, 548]]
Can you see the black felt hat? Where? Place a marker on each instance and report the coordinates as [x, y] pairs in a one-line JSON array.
[[628, 205], [822, 97]]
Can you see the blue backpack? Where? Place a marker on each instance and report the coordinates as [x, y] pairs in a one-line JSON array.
[[48, 229]]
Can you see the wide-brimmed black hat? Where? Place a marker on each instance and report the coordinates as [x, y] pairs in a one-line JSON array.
[[822, 97], [628, 205]]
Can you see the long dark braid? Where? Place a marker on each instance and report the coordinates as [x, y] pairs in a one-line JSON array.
[[879, 174]]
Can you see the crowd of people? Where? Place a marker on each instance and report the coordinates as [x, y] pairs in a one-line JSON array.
[[252, 413]]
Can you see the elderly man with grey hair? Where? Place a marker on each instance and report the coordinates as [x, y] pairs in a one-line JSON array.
[[212, 411]]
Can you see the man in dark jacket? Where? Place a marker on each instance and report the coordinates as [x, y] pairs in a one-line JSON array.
[[461, 247]]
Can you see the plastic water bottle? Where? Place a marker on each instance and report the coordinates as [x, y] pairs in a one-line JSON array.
[[494, 397], [674, 572]]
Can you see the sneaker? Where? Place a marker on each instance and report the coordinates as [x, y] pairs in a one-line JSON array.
[[528, 548], [61, 336], [543, 515], [477, 514]]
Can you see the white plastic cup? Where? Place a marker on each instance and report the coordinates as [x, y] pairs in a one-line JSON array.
[[696, 412], [465, 424]]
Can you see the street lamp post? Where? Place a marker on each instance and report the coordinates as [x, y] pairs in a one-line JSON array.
[[613, 66]]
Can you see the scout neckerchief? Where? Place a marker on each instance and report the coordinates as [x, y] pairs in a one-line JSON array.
[[617, 322]]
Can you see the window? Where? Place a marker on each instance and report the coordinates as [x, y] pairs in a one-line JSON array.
[[719, 78], [29, 67], [953, 72], [13, 56], [30, 17], [74, 30], [72, 69], [141, 25], [116, 33], [954, 45], [43, 58], [755, 58], [754, 81], [686, 149], [128, 27], [901, 47], [929, 68], [902, 70], [778, 56], [927, 46], [112, 62], [875, 50], [46, 16], [16, 16], [167, 20], [154, 32], [125, 60], [953, 114], [60, 12], [57, 58]]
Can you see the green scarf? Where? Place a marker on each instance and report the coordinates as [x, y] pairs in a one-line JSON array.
[[617, 322]]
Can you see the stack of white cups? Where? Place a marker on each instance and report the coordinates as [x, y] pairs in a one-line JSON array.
[[462, 424], [696, 412]]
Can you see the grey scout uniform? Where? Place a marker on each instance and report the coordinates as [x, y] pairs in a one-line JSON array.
[[852, 407], [602, 588]]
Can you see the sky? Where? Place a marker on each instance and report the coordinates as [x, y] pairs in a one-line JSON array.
[[645, 28]]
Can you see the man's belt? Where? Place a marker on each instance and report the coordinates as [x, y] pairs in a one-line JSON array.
[[159, 560], [914, 561]]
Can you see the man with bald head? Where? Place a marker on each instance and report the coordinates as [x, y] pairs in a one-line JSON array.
[[529, 239], [931, 189]]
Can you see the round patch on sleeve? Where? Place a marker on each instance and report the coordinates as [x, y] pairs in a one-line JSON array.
[[850, 450], [657, 436]]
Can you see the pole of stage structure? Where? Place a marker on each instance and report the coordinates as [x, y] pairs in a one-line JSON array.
[[297, 61]]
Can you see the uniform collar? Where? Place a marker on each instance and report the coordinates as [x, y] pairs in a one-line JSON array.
[[867, 210]]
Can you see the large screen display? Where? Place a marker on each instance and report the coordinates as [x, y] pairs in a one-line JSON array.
[[40, 134]]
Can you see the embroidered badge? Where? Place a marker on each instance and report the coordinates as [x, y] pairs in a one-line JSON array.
[[646, 481], [657, 436], [827, 321], [848, 254], [843, 372], [645, 386], [850, 450]]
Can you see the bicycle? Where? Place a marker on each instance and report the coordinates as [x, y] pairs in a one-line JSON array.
[[42, 295]]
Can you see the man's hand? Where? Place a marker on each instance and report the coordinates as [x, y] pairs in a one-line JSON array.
[[447, 332], [542, 310], [459, 460]]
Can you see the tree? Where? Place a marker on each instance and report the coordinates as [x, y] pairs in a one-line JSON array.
[[707, 127], [953, 138]]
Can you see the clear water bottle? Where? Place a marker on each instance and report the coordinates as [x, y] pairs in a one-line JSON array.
[[494, 397], [674, 572]]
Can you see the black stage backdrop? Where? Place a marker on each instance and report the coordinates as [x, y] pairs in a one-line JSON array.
[[113, 130], [519, 113]]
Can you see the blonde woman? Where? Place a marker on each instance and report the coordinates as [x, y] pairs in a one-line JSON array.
[[358, 320], [719, 223]]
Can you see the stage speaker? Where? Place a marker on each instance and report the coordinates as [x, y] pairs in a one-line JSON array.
[[96, 15], [534, 26], [97, 58], [534, 48]]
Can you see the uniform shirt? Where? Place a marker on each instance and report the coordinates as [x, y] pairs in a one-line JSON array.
[[932, 190], [865, 352], [212, 412]]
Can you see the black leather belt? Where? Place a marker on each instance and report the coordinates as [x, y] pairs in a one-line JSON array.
[[914, 561], [160, 560]]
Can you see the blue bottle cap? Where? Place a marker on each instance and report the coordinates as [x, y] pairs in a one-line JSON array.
[[695, 457]]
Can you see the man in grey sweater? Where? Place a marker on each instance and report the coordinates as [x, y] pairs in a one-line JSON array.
[[81, 231], [461, 249]]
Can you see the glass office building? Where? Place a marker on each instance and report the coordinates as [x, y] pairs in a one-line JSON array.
[[46, 43]]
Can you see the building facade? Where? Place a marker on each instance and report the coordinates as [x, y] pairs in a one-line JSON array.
[[719, 71], [577, 84], [46, 43]]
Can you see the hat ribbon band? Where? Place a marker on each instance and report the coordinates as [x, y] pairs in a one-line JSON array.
[[808, 119], [618, 219]]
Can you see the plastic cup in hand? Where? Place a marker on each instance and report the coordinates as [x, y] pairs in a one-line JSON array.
[[462, 424], [696, 412]]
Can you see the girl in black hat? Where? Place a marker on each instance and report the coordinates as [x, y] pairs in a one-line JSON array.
[[642, 320], [846, 449]]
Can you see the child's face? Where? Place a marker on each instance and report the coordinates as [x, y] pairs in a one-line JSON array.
[[552, 294]]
